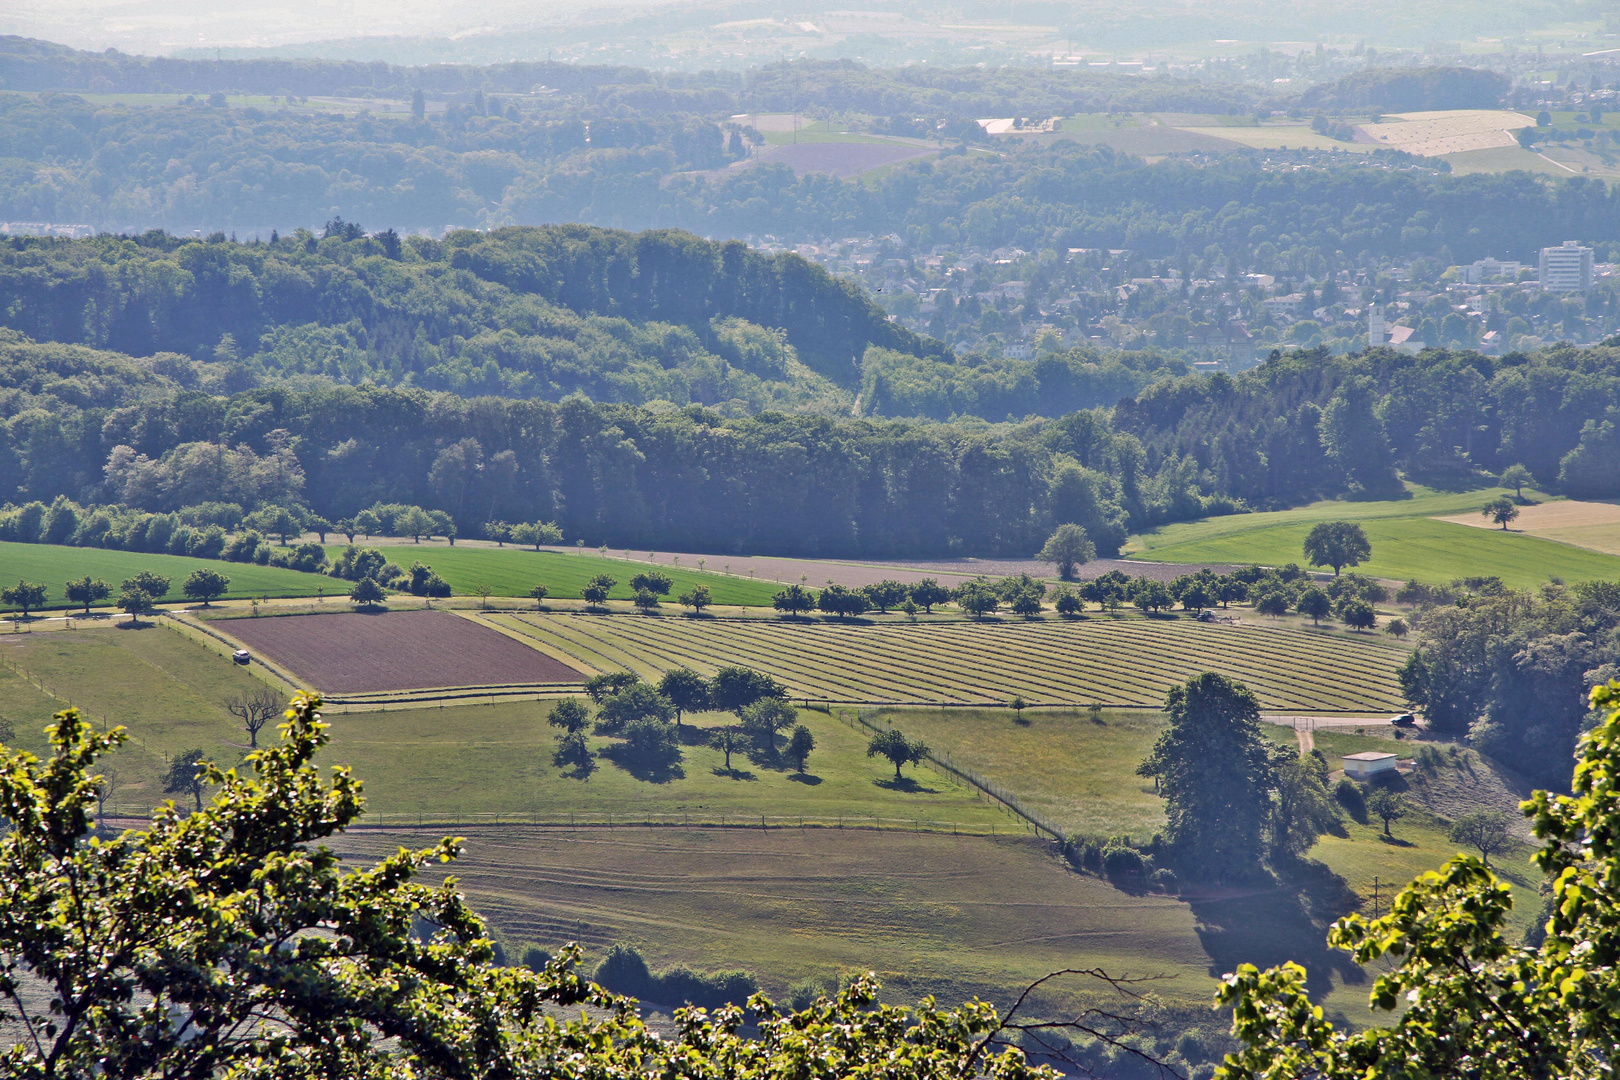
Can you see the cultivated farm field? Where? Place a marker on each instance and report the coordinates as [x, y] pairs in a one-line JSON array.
[[55, 564], [1127, 661], [1594, 525], [356, 652]]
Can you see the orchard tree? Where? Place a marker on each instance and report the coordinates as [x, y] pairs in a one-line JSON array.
[[794, 600], [978, 599], [367, 593], [929, 592], [636, 702], [1397, 629], [135, 602], [654, 581], [86, 591], [765, 718], [726, 739], [255, 710], [1485, 830], [893, 744], [645, 600], [842, 602], [1315, 603], [603, 686], [697, 598], [686, 690], [800, 743], [205, 584], [1067, 547], [1271, 602], [1501, 511], [570, 714], [539, 592], [25, 595], [886, 594], [733, 689], [1337, 544], [187, 775], [597, 588], [1358, 614], [319, 526]]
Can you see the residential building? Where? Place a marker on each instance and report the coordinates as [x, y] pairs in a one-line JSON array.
[[1566, 268]]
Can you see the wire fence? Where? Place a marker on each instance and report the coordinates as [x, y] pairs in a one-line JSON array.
[[983, 784]]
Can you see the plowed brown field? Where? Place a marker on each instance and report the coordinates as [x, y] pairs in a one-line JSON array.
[[398, 650]]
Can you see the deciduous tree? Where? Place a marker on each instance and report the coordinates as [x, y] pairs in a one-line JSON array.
[[1337, 544], [1386, 805], [25, 595], [929, 592], [187, 776], [1315, 603], [794, 600], [800, 743], [1516, 476], [255, 710], [205, 584], [686, 690], [1501, 511], [87, 590], [1485, 830], [900, 751], [1067, 548], [697, 598]]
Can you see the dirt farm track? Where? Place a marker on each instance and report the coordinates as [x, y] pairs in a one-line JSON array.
[[356, 653]]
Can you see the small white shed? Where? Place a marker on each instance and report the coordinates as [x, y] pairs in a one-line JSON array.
[[1368, 763]]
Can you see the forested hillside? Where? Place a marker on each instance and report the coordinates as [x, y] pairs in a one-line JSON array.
[[151, 434], [620, 164], [520, 312]]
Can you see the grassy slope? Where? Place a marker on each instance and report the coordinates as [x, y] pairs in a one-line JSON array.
[[1406, 542], [53, 565], [514, 571]]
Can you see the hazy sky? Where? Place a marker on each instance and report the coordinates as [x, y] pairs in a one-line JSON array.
[[162, 25]]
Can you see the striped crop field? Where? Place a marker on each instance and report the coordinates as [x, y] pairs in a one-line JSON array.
[[1128, 662]]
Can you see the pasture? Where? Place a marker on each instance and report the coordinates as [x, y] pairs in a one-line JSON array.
[[1407, 541], [1125, 661], [359, 653], [54, 564], [514, 571]]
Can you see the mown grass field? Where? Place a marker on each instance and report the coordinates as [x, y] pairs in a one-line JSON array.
[[1127, 661], [514, 571], [54, 565], [1406, 541], [930, 913]]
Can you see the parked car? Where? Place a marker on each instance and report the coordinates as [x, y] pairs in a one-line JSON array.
[[1405, 719], [241, 656]]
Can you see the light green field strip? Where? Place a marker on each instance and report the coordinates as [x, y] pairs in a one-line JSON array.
[[1129, 662]]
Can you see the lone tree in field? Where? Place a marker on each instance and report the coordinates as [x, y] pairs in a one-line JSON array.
[[1067, 547], [367, 593], [86, 591], [186, 776], [539, 593], [794, 600], [1337, 544], [929, 592], [686, 690], [1388, 806], [1516, 476], [254, 710], [1315, 603], [1501, 511], [1485, 830], [1397, 629], [800, 743], [697, 598], [898, 749], [1215, 772], [205, 584], [24, 594]]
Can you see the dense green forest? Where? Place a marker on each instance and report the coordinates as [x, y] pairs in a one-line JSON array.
[[163, 433], [518, 312]]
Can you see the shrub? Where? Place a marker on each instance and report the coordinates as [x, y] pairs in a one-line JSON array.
[[1164, 880], [1121, 862], [624, 971], [1350, 796], [535, 958]]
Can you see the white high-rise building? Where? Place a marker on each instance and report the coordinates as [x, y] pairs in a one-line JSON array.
[[1566, 268]]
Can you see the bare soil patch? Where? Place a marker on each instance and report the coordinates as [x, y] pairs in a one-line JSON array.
[[355, 653]]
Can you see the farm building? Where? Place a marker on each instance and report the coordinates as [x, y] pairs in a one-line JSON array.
[[1367, 764]]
